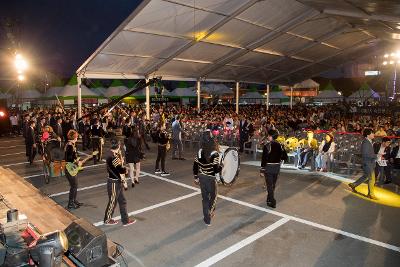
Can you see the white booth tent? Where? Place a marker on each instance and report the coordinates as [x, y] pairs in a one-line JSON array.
[[116, 89], [274, 41], [252, 98], [53, 91], [70, 90], [364, 93], [309, 83], [30, 94], [328, 95]]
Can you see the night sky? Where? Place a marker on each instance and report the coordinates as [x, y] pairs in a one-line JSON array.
[[57, 36]]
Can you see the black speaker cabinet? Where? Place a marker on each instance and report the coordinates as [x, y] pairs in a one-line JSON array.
[[87, 243]]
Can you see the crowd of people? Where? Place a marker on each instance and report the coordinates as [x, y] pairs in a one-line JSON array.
[[167, 127]]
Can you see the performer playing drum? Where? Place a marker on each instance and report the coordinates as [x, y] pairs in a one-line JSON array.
[[205, 167]]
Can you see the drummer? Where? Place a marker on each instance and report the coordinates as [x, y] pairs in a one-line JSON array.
[[205, 167]]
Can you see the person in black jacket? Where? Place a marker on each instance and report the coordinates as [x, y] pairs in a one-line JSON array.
[[71, 156], [272, 155], [114, 186], [162, 141], [97, 133], [30, 142], [133, 155], [205, 167]]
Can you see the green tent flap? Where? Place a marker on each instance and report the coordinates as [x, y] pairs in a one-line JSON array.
[[96, 84], [116, 83], [182, 84], [58, 83], [329, 87], [130, 84], [364, 87], [73, 80], [253, 88], [275, 88]]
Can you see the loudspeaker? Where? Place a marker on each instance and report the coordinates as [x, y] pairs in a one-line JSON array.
[[87, 243]]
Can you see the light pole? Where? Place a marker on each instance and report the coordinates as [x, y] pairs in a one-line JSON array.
[[392, 60], [21, 66]]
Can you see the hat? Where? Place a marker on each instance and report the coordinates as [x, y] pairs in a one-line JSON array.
[[114, 143]]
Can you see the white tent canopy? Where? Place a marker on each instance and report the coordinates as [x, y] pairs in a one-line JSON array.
[[30, 94], [364, 94], [184, 92], [328, 96], [53, 91], [70, 90], [307, 84], [217, 89], [280, 41], [116, 91]]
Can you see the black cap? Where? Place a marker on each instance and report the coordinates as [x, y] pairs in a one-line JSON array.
[[114, 143]]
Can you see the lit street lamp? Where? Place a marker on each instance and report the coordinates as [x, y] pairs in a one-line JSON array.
[[392, 59]]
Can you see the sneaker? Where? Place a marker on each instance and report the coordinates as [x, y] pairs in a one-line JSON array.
[[130, 221], [157, 171], [111, 222], [164, 173]]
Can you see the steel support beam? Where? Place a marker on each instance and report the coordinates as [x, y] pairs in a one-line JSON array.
[[318, 41], [356, 45], [282, 29], [209, 32], [79, 79], [147, 100], [198, 95], [237, 97]]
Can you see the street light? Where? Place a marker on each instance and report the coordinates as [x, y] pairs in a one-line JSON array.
[[21, 77]]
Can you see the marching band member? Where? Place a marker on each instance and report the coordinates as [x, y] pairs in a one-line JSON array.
[[272, 155], [205, 167], [71, 156], [97, 133], [115, 190]]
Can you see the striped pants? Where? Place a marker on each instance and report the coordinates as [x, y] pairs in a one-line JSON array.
[[115, 193]]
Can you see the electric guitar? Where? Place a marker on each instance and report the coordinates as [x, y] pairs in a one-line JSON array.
[[73, 168]]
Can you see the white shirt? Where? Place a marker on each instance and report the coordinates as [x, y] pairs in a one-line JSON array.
[[14, 120], [398, 154]]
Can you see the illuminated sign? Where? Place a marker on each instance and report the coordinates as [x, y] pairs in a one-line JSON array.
[[372, 72]]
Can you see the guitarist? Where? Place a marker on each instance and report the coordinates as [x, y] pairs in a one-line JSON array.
[[71, 156]]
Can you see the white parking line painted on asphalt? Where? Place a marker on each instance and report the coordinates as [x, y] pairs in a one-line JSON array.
[[303, 221], [291, 167], [4, 155], [31, 176], [241, 244], [19, 163], [153, 207], [83, 188]]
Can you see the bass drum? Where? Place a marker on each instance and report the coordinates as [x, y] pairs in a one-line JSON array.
[[229, 157]]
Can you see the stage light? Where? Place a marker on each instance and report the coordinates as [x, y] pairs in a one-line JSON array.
[[386, 56], [385, 63], [50, 248], [392, 54], [20, 63], [398, 27], [391, 62], [21, 77]]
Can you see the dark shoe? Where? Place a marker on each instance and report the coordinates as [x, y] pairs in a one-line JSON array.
[[387, 182], [136, 181], [130, 221], [78, 203], [157, 171], [207, 223], [111, 222], [164, 173], [133, 184], [174, 158], [271, 204], [182, 159], [353, 187], [73, 206]]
